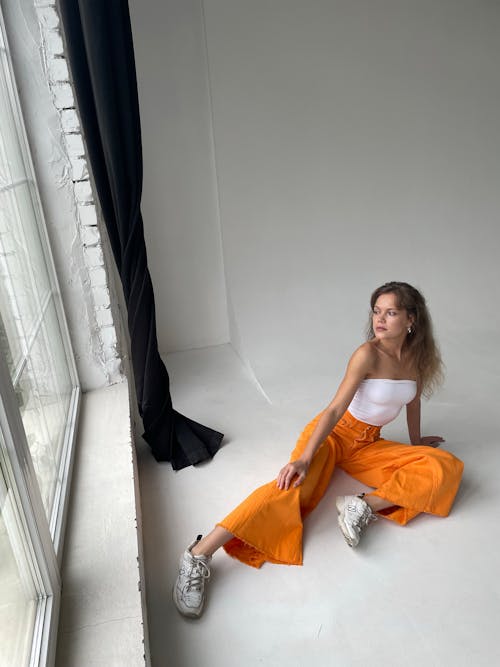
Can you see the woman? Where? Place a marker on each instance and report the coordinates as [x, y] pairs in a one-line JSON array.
[[398, 363]]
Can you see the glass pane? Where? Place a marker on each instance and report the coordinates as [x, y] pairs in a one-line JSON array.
[[11, 161], [44, 393], [28, 240], [18, 600], [10, 347], [37, 436], [50, 367], [24, 284]]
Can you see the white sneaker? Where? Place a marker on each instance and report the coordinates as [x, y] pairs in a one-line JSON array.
[[354, 515], [189, 587]]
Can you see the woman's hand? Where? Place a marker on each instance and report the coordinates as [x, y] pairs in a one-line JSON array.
[[431, 440], [296, 469]]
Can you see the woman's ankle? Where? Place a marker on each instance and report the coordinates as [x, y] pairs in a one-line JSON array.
[[198, 551], [376, 503]]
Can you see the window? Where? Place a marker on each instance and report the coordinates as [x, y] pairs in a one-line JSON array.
[[39, 396]]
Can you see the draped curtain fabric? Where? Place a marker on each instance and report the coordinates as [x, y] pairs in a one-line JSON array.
[[99, 44]]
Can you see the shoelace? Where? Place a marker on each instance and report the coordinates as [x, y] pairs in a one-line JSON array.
[[198, 572], [367, 517], [363, 519]]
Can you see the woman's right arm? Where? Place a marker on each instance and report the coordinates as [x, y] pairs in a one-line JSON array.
[[360, 365]]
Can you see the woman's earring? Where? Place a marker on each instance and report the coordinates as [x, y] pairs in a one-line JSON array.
[[409, 330]]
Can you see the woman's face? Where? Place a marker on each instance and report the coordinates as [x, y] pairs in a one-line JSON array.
[[389, 321]]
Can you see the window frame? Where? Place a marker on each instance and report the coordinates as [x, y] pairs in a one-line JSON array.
[[42, 537]]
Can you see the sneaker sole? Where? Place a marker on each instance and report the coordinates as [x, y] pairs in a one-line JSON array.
[[186, 614], [340, 509]]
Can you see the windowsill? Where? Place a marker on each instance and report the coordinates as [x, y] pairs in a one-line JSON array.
[[101, 619]]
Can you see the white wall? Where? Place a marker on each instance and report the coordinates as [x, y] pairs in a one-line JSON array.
[[179, 204], [355, 143]]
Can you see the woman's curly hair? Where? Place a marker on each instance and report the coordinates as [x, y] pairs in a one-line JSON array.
[[420, 344]]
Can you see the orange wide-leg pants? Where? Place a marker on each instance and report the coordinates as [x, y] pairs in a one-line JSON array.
[[267, 526]]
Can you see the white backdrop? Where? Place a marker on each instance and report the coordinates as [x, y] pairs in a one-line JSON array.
[[179, 204], [332, 146]]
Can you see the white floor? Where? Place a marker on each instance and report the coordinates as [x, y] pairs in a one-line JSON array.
[[426, 594]]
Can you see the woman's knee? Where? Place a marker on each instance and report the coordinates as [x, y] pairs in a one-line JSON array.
[[449, 464]]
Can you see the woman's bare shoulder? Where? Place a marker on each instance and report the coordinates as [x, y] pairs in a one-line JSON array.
[[364, 357], [366, 352]]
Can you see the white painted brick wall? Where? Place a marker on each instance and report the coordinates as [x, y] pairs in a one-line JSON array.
[[93, 256], [104, 317], [54, 43], [79, 168], [74, 144], [70, 121], [63, 95], [47, 15], [83, 192], [109, 339], [98, 276], [90, 236], [57, 71], [87, 213], [101, 297]]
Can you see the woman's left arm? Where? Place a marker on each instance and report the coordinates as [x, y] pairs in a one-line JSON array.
[[413, 421]]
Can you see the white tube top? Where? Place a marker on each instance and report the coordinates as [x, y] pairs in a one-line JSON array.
[[378, 401]]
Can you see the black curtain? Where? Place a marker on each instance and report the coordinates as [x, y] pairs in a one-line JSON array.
[[98, 38]]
